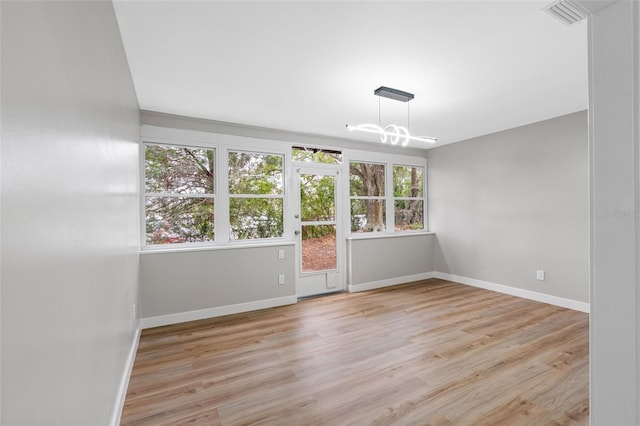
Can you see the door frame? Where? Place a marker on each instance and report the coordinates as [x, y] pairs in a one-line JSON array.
[[320, 282]]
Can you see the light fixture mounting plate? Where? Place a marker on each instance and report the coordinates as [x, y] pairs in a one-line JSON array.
[[394, 94]]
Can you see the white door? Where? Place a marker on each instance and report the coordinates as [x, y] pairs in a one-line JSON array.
[[318, 232]]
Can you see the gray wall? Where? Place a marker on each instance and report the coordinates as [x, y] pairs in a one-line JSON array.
[[159, 119], [69, 212], [183, 281], [378, 259], [507, 204], [227, 276]]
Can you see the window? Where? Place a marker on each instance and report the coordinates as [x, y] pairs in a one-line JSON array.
[[408, 197], [256, 195], [179, 194], [216, 191], [316, 155], [366, 190]]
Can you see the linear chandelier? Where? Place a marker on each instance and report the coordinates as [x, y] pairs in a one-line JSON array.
[[392, 133]]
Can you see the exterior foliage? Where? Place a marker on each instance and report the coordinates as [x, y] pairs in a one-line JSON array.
[[409, 197], [256, 190], [179, 189], [316, 155], [317, 203], [180, 195], [366, 186]]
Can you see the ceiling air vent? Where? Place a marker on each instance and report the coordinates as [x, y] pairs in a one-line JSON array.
[[567, 11]]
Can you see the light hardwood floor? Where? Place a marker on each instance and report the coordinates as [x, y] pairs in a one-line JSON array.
[[431, 352]]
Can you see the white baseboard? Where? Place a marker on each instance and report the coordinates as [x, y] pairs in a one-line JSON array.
[[513, 291], [124, 380], [353, 288], [216, 312]]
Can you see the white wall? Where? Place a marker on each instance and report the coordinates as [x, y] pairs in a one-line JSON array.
[[70, 125], [614, 115], [510, 203]]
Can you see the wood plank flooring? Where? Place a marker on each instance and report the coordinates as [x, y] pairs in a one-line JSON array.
[[432, 352]]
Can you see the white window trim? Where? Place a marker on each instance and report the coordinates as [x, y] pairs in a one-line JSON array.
[[423, 199], [144, 194], [222, 143], [389, 160], [314, 164], [229, 196]]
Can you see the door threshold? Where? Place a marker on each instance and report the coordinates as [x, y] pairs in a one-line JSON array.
[[317, 296]]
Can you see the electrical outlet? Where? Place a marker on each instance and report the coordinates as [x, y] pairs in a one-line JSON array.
[[540, 275], [281, 254], [280, 279]]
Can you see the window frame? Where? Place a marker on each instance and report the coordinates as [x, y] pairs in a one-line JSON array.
[[223, 143], [369, 197], [229, 196], [338, 164], [423, 198], [144, 194], [389, 160]]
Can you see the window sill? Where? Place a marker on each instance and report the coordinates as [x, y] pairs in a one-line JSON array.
[[376, 235], [228, 246]]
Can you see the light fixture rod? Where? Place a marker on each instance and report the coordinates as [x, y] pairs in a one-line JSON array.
[[395, 94]]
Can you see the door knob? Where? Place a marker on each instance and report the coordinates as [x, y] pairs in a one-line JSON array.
[[297, 232]]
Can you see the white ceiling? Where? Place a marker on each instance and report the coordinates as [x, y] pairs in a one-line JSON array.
[[475, 67]]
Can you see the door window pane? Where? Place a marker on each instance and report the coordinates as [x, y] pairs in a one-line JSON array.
[[318, 248], [317, 198]]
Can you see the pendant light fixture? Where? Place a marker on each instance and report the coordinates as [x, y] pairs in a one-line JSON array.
[[392, 133]]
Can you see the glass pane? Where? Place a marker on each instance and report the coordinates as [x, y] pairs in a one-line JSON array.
[[252, 218], [367, 215], [318, 248], [316, 155], [177, 169], [317, 199], [171, 220], [252, 173], [407, 181], [409, 215], [366, 179]]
